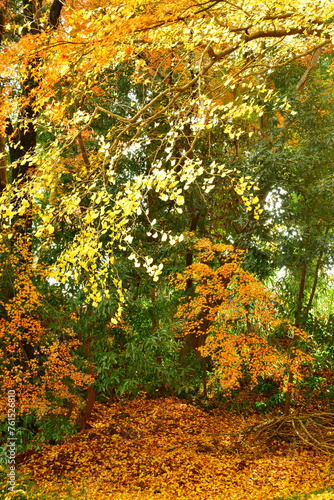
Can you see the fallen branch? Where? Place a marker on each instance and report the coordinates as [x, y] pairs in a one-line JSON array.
[[313, 429]]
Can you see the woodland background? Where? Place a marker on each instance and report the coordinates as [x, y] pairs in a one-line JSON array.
[[166, 244]]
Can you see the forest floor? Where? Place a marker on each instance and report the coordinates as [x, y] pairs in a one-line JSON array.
[[168, 449]]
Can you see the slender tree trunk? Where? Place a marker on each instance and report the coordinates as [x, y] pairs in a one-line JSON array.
[[194, 341], [86, 412], [190, 255], [288, 396], [299, 316], [90, 397], [301, 295], [298, 321], [3, 164], [155, 321], [313, 63], [315, 279], [3, 13]]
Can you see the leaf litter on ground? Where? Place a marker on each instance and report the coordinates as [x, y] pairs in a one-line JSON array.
[[168, 449]]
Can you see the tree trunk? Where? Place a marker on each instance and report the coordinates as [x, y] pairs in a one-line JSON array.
[[86, 411], [3, 164], [90, 398], [298, 321], [155, 321], [315, 279], [288, 395]]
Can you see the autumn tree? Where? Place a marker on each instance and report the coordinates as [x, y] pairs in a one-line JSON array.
[[237, 319], [291, 161], [37, 355], [107, 111], [155, 38], [39, 349]]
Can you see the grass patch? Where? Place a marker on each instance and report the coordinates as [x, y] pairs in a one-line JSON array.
[[322, 494], [27, 489]]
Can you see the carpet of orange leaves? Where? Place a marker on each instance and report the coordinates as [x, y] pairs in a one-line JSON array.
[[167, 449]]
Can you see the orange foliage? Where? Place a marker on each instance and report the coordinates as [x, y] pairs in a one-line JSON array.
[[36, 356], [167, 449], [239, 317]]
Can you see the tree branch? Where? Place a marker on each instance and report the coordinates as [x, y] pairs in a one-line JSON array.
[[314, 61], [315, 279], [83, 150]]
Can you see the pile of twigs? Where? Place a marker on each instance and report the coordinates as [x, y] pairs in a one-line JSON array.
[[312, 429]]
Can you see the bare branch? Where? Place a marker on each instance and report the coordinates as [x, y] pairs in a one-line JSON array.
[[314, 61]]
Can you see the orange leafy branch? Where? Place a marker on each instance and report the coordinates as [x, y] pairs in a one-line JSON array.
[[239, 318], [37, 359]]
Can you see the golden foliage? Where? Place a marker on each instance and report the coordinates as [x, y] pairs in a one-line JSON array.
[[189, 58], [168, 449], [238, 316]]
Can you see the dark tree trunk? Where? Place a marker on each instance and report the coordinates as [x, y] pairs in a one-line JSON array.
[[3, 164], [298, 322], [22, 137], [90, 398]]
